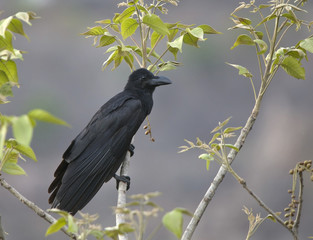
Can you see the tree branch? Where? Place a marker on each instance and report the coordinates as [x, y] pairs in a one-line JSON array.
[[41, 213], [121, 199], [221, 173], [2, 233]]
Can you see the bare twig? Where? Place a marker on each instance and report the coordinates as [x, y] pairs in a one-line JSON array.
[[41, 213]]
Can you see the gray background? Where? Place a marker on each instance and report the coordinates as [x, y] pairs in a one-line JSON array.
[[62, 74]]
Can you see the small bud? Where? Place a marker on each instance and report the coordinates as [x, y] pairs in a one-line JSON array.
[[145, 126], [293, 196], [152, 139], [291, 171], [287, 215], [309, 165], [289, 226], [311, 177], [147, 132], [287, 209], [286, 222], [289, 191]]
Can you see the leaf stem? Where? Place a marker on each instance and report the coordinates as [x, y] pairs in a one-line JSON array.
[[300, 199]]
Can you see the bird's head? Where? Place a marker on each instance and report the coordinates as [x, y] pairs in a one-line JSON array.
[[144, 79]]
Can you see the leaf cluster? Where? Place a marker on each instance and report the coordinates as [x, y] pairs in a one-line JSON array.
[[217, 148], [136, 32], [137, 214], [8, 54], [22, 130], [255, 221], [283, 15], [85, 226]]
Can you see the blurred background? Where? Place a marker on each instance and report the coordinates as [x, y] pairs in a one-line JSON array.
[[61, 73]]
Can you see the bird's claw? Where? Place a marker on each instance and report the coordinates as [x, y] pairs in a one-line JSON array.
[[131, 149], [125, 179]]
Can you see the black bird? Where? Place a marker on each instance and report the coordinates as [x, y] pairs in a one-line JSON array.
[[97, 152]]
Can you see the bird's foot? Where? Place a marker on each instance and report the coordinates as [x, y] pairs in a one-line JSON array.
[[125, 179], [131, 149]]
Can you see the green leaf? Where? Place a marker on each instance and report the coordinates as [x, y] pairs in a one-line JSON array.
[[10, 70], [104, 21], [242, 70], [245, 21], [242, 40], [232, 147], [259, 34], [95, 31], [293, 67], [307, 44], [208, 158], [156, 24], [177, 43], [56, 226], [262, 45], [4, 24], [266, 19], [125, 14], [109, 60], [231, 129], [208, 29], [44, 116], [128, 27], [72, 226], [215, 136], [155, 37], [17, 27], [173, 221], [220, 125], [13, 168], [3, 133], [167, 66], [26, 16], [6, 42], [172, 34], [191, 37], [5, 90], [22, 129], [106, 40], [25, 150]]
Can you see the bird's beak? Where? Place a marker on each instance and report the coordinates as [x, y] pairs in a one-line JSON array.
[[159, 80]]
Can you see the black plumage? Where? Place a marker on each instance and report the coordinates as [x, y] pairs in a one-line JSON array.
[[97, 152]]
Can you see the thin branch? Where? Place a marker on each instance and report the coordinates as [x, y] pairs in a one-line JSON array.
[[221, 173], [300, 199], [41, 213], [2, 233], [269, 210], [121, 199]]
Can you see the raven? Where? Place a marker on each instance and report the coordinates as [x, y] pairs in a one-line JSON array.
[[97, 152]]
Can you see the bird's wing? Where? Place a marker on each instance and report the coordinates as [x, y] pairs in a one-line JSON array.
[[97, 152]]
